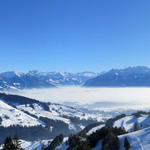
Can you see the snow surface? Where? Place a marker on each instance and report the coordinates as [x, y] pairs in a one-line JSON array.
[[35, 145], [139, 140], [57, 112], [12, 116], [95, 129], [128, 122]]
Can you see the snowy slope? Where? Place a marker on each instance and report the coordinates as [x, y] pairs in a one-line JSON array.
[[129, 122], [58, 112], [10, 116], [95, 129], [45, 120], [139, 140], [39, 111], [35, 145]]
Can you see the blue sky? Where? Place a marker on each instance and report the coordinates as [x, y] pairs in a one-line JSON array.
[[74, 35]]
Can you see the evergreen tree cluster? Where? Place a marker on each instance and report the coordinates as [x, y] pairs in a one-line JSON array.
[[56, 142], [12, 143], [109, 136], [110, 142], [78, 142], [126, 144]]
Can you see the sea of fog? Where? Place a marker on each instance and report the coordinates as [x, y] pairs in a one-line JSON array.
[[92, 97]]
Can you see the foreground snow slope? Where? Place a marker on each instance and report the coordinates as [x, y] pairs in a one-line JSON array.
[[36, 145], [139, 140]]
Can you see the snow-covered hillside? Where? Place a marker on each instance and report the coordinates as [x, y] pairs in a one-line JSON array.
[[10, 116], [54, 119], [139, 140], [23, 115], [132, 122], [57, 112], [95, 129]]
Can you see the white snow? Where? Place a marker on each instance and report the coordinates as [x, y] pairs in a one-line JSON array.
[[128, 122], [12, 116], [56, 112], [139, 140], [95, 129], [35, 145]]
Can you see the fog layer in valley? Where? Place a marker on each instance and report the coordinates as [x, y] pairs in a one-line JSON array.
[[90, 95]]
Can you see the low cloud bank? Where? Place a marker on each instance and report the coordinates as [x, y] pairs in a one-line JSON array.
[[90, 95]]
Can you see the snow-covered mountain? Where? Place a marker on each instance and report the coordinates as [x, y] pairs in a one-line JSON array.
[[34, 79], [32, 119], [38, 123], [138, 140], [132, 76], [10, 116], [133, 122]]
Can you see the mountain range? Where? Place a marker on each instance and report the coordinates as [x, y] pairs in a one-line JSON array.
[[34, 79], [128, 77]]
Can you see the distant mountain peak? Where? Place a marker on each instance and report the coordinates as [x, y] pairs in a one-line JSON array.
[[131, 76], [10, 74]]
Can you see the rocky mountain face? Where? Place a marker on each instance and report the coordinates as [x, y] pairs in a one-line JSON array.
[[132, 76]]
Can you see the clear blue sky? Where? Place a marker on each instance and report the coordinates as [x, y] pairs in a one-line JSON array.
[[74, 35]]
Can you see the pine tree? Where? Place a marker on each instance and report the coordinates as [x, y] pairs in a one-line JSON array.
[[136, 127], [8, 145], [126, 144], [12, 144], [17, 143]]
